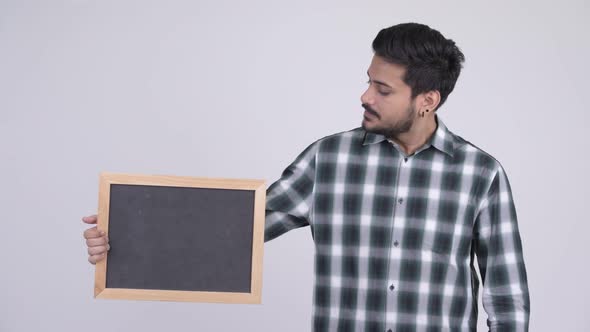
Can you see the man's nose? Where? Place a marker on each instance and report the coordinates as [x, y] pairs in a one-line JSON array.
[[367, 98]]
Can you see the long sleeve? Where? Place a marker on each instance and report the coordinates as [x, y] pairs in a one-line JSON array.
[[289, 199], [499, 253]]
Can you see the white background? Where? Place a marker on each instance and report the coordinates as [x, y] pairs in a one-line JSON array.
[[237, 89]]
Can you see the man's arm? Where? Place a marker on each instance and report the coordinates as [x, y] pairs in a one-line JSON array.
[[289, 199], [499, 253]]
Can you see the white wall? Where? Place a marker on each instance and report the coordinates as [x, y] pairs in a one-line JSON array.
[[238, 89]]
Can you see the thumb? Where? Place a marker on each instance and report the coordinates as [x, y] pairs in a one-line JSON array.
[[90, 219]]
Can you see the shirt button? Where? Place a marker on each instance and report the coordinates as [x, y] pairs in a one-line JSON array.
[[389, 330], [405, 160], [396, 243], [401, 200], [391, 287]]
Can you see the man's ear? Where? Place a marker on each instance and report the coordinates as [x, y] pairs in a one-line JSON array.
[[429, 101]]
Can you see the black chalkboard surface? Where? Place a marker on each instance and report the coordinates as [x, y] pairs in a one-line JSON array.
[[181, 238]]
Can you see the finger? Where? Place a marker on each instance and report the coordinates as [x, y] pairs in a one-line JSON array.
[[97, 250], [98, 241], [91, 233], [90, 219], [96, 258]]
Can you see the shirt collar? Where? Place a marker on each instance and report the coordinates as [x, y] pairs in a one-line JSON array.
[[442, 139]]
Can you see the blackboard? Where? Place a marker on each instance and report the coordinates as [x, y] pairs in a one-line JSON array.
[[178, 238]]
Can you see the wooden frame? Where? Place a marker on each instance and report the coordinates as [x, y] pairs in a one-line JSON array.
[[258, 186]]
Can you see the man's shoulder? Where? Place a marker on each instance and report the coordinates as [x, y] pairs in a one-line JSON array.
[[333, 141], [355, 133], [469, 151]]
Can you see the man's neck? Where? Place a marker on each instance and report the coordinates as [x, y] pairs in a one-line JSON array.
[[417, 136]]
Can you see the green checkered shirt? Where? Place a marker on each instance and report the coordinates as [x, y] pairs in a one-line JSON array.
[[396, 235]]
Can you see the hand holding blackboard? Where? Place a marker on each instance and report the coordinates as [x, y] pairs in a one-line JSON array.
[[177, 238], [97, 241]]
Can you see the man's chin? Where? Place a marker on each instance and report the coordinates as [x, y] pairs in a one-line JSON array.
[[373, 129], [368, 126]]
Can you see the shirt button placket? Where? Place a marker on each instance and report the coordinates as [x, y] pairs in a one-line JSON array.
[[394, 249]]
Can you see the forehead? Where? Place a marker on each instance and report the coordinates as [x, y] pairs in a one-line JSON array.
[[386, 72]]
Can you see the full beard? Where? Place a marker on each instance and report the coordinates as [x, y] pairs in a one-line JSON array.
[[402, 126]]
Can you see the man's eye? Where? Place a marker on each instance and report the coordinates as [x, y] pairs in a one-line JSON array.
[[380, 92]]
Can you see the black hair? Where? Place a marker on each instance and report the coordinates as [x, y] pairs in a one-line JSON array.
[[432, 62]]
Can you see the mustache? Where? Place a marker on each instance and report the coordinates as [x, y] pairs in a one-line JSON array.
[[371, 111]]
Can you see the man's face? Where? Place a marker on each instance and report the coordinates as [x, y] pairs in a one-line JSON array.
[[389, 109]]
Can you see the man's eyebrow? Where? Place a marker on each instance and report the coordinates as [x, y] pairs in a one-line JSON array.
[[379, 82]]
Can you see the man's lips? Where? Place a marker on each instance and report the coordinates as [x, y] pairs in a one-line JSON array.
[[369, 114]]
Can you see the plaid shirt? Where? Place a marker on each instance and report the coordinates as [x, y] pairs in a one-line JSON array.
[[396, 235]]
